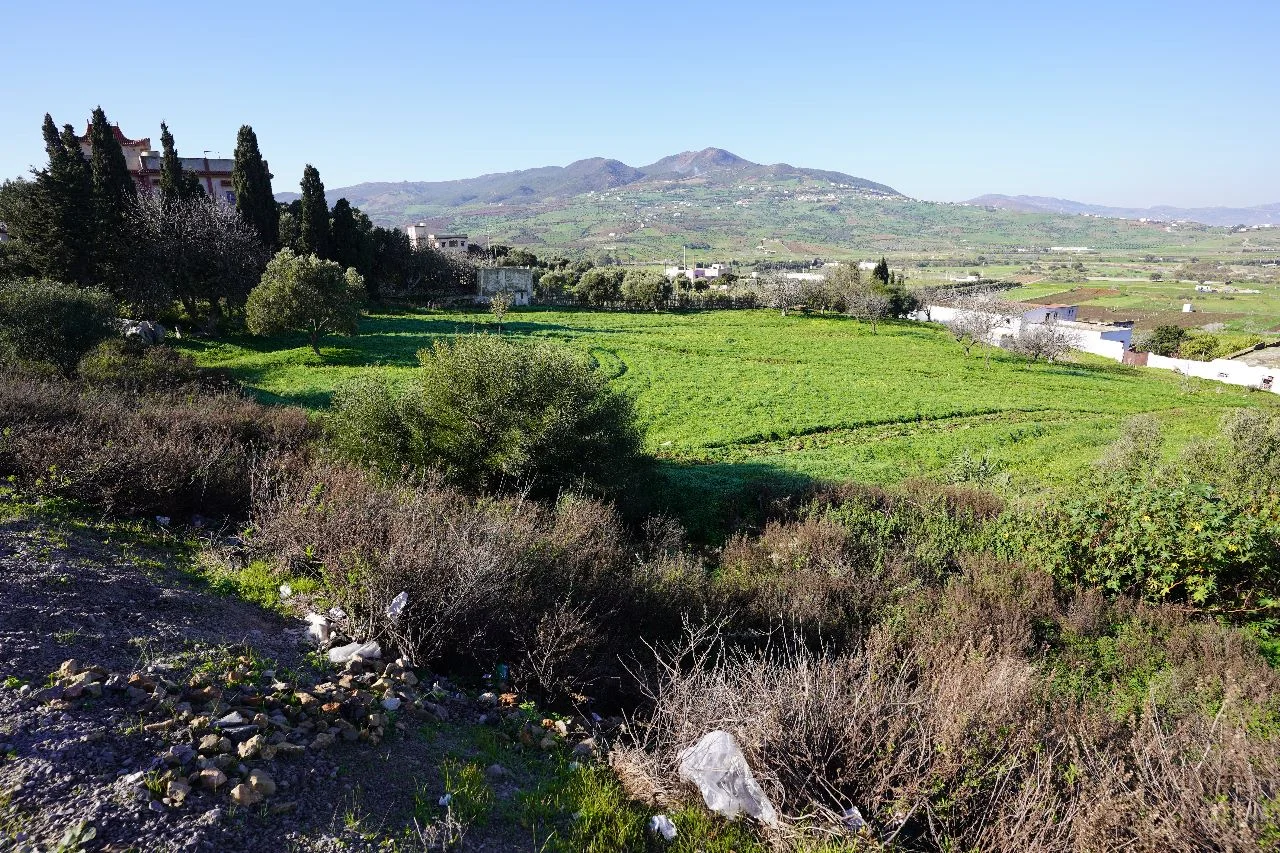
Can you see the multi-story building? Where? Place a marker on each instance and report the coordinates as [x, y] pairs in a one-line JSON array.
[[144, 164], [420, 238]]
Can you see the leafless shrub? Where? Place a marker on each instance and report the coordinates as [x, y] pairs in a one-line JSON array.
[[1047, 340], [557, 591], [168, 454], [951, 729]]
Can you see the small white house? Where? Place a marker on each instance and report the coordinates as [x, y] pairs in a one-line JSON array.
[[697, 271], [518, 281]]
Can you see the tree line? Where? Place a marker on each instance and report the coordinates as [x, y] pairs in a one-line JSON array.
[[82, 220]]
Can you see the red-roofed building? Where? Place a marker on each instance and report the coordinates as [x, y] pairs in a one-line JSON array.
[[144, 165]]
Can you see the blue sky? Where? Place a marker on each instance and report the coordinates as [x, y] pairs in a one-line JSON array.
[[1107, 101]]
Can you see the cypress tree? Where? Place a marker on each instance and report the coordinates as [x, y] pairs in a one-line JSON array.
[[880, 274], [55, 230], [114, 198], [170, 166], [313, 221], [344, 236], [175, 182], [252, 183]]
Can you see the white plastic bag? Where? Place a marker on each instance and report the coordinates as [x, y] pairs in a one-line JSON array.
[[397, 606], [365, 651], [717, 766], [660, 824]]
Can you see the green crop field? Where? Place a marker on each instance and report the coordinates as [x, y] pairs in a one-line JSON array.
[[736, 395]]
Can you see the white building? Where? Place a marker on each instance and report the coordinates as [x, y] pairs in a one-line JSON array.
[[1104, 339], [421, 238], [518, 281], [697, 271]]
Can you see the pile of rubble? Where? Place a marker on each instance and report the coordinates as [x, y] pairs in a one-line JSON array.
[[225, 729]]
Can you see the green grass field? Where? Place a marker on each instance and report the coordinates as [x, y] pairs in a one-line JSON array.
[[733, 396]]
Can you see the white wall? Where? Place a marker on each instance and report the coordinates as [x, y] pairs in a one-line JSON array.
[[1219, 370]]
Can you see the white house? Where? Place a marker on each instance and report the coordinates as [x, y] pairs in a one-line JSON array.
[[1104, 339], [518, 281], [419, 237], [697, 271]]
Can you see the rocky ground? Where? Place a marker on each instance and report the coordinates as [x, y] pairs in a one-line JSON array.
[[143, 711]]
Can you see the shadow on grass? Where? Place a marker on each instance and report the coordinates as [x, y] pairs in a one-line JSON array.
[[714, 500]]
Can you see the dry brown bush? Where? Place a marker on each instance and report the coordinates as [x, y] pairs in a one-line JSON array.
[[966, 722], [559, 592], [167, 454]]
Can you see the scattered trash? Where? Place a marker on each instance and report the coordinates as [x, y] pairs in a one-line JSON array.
[[318, 627], [852, 819], [717, 766], [660, 824], [337, 613], [365, 651], [235, 718], [285, 590], [397, 606], [446, 800], [163, 520]]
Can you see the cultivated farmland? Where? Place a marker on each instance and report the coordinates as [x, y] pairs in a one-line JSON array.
[[737, 395]]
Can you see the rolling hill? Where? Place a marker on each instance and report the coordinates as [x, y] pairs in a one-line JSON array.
[[1225, 216], [387, 202], [714, 202]]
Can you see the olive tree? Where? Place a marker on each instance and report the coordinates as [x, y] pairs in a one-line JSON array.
[[305, 294], [499, 304]]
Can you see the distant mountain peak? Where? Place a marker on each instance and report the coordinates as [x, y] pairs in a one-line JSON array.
[[698, 162], [411, 200]]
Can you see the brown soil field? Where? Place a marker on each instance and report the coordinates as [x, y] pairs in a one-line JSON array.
[[1073, 296], [1151, 319]]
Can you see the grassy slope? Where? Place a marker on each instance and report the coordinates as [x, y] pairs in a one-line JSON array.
[[797, 218], [754, 392]]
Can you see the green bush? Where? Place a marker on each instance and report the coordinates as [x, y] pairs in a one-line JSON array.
[[491, 413], [305, 294], [118, 364], [46, 322], [1202, 530]]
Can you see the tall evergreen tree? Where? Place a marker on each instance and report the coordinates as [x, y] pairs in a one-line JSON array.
[[313, 221], [344, 236], [53, 228], [252, 184], [175, 182], [115, 197], [880, 275]]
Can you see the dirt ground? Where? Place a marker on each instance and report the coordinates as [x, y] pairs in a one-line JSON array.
[[70, 591]]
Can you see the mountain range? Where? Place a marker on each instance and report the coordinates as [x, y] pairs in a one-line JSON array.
[[719, 205], [1225, 216], [388, 202]]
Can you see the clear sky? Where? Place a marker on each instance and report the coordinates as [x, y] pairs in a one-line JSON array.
[[1107, 101]]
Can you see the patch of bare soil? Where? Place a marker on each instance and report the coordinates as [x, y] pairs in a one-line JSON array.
[[107, 758], [1074, 296]]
